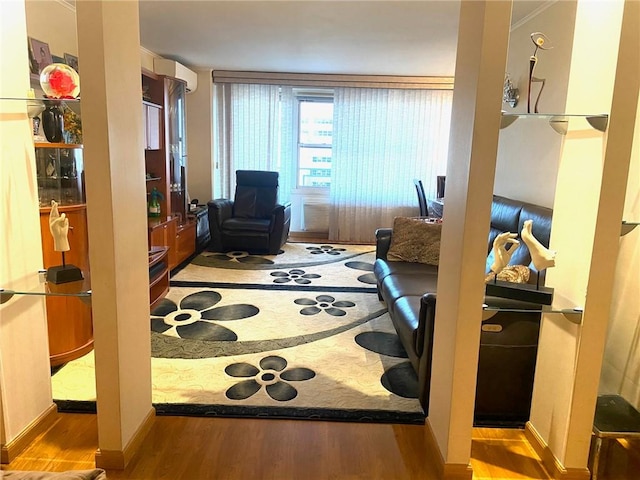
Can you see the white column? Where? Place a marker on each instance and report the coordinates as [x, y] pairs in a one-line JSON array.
[[482, 52], [25, 386], [588, 207], [109, 58]]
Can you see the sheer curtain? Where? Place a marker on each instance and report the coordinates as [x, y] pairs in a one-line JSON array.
[[382, 140], [255, 128]]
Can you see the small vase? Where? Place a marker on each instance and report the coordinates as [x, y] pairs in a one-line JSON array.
[[52, 122]]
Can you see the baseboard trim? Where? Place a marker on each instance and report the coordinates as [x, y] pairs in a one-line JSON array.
[[40, 425], [119, 459], [550, 462], [446, 471]]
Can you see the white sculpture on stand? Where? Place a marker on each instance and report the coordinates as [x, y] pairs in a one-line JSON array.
[[517, 287], [59, 228], [502, 256], [541, 256]]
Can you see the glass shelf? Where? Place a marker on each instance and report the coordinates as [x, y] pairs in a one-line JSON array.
[[559, 305], [42, 99], [558, 121], [57, 145], [36, 284], [574, 315]]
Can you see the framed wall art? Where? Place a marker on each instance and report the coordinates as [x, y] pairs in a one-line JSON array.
[[41, 53], [72, 61]]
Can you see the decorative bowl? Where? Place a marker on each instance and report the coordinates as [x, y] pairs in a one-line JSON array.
[[60, 81]]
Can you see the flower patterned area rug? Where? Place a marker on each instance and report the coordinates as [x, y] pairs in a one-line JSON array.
[[298, 264], [303, 336]]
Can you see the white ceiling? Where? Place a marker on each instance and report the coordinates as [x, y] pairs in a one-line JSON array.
[[330, 36]]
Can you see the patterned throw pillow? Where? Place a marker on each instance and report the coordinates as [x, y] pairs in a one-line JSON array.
[[511, 273], [415, 239]]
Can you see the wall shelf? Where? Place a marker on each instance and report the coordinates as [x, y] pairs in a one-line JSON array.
[[36, 284], [627, 227], [558, 121], [41, 99], [574, 315]]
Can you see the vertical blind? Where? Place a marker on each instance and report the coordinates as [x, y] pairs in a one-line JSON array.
[[255, 132], [382, 140]]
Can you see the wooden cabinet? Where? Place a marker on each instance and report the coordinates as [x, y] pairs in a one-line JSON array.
[[69, 319], [185, 241], [180, 239], [152, 118], [162, 233]]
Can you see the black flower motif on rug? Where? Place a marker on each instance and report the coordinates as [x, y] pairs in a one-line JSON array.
[[241, 257], [272, 374], [369, 278], [328, 249], [195, 318], [324, 303], [292, 256], [401, 378], [296, 275]]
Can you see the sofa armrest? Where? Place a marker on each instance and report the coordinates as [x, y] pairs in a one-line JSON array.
[[219, 210], [426, 319], [280, 215], [424, 348], [383, 242], [280, 225]]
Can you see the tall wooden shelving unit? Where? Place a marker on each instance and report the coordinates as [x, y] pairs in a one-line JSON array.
[[165, 165]]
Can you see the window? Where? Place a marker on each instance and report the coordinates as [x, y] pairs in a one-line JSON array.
[[315, 140]]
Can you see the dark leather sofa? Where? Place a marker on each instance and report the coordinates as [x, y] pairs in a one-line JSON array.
[[508, 339]]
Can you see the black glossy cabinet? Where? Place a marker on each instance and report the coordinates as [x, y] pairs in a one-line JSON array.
[[506, 368]]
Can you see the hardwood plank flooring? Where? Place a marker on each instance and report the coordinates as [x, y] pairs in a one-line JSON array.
[[504, 453], [190, 448]]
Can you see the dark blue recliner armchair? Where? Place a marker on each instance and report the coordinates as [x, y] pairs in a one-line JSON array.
[[254, 221]]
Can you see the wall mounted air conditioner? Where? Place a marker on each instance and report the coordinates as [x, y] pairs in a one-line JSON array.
[[163, 66]]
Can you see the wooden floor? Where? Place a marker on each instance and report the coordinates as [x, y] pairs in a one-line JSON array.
[[218, 448], [189, 448]]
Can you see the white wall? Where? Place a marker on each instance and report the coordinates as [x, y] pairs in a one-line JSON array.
[[25, 387], [200, 168], [529, 150], [54, 23]]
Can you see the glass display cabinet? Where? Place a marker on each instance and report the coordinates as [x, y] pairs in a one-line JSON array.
[[177, 148], [60, 173]]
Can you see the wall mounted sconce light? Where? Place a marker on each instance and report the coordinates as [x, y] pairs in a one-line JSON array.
[[510, 94]]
